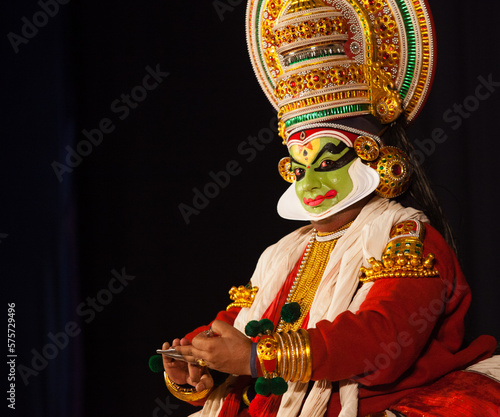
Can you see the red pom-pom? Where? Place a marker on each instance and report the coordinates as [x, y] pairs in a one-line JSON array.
[[257, 405], [265, 406]]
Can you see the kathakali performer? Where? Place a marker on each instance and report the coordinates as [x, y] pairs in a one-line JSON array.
[[362, 312]]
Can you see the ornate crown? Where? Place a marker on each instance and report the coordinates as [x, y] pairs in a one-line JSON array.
[[319, 60]]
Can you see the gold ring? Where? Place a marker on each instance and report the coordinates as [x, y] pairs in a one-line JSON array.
[[201, 362]]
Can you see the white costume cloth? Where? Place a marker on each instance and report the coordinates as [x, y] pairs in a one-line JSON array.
[[365, 238]]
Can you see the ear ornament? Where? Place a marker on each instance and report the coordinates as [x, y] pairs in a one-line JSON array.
[[394, 169], [366, 148], [285, 169]]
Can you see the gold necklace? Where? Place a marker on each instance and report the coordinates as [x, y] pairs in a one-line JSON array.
[[336, 234], [310, 273]]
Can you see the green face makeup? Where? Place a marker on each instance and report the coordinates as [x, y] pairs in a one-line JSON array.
[[321, 169]]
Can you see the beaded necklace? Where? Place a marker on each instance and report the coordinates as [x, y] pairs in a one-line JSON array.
[[309, 275]]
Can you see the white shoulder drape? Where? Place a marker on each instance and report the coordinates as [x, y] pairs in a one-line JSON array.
[[365, 238]]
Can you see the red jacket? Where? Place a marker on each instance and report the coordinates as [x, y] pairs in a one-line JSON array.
[[407, 333]]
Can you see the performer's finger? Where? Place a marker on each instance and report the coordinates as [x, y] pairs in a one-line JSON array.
[[206, 382], [195, 373], [167, 362], [222, 328]]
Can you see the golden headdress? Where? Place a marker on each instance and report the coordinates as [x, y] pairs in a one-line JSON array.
[[320, 60]]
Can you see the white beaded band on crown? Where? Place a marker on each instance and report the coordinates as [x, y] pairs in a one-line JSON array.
[[335, 126]]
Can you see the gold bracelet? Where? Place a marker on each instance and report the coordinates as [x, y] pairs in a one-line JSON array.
[[293, 356], [306, 353], [279, 356], [185, 394], [303, 359], [298, 357], [287, 368]]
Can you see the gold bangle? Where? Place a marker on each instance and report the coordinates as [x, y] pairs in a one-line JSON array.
[[286, 358], [303, 359], [297, 355], [306, 352], [280, 355], [293, 356], [300, 357], [292, 352], [185, 394]]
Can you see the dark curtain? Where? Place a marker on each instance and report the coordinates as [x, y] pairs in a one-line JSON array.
[[167, 183], [38, 222]]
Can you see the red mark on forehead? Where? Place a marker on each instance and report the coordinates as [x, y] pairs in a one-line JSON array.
[[302, 148]]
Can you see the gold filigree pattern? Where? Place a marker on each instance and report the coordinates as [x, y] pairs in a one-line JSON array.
[[285, 169], [394, 170], [271, 12], [373, 6], [267, 348], [386, 100], [308, 30], [411, 228], [385, 27], [274, 8], [318, 79], [242, 296], [389, 54], [366, 148]]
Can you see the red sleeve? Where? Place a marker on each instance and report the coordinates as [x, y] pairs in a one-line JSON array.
[[228, 316], [403, 323], [357, 344]]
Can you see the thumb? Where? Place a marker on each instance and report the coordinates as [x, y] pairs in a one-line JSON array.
[[221, 328]]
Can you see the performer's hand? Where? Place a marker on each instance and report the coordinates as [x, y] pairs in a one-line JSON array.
[[228, 351], [182, 373]]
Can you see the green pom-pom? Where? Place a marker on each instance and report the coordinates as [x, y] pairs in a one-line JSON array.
[[156, 363], [290, 312], [252, 329], [278, 386], [263, 386], [266, 325]]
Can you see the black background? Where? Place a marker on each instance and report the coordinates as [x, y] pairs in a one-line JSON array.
[[119, 207]]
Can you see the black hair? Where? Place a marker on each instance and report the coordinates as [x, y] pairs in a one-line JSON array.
[[420, 194]]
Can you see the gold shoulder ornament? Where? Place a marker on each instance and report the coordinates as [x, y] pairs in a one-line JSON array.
[[403, 256], [242, 296]]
